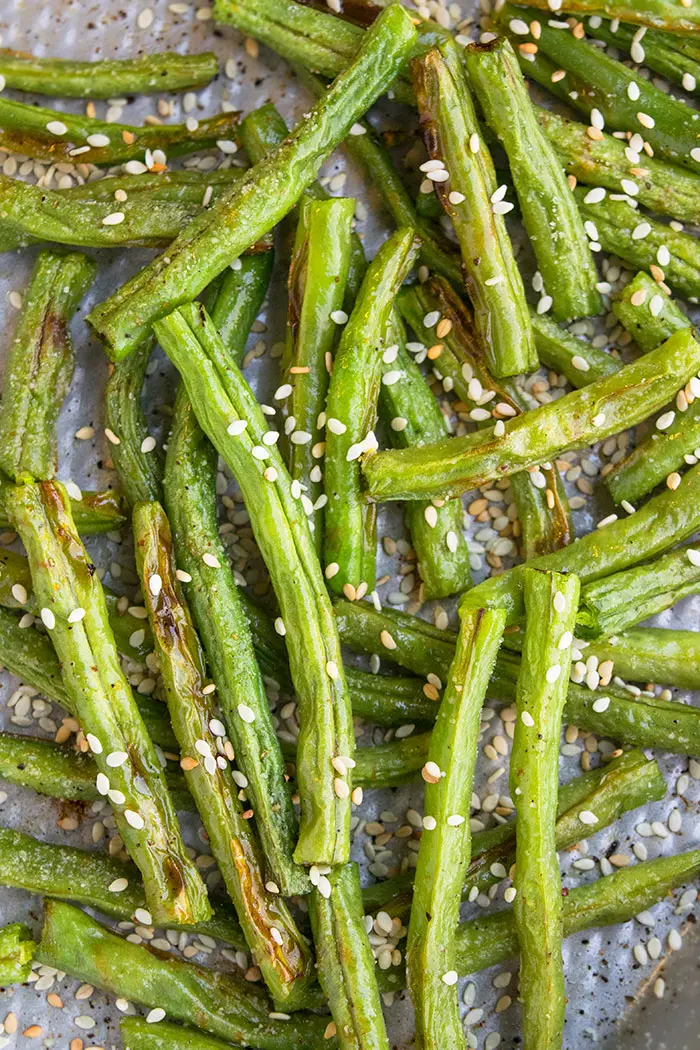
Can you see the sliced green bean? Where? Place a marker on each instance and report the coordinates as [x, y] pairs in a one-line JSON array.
[[272, 935], [458, 464], [16, 953], [346, 966], [234, 423], [548, 209], [494, 284], [606, 161], [187, 187], [350, 541], [656, 51], [653, 654], [613, 604], [70, 597], [267, 193], [39, 365], [414, 417], [221, 1003], [109, 77], [647, 314], [445, 848], [134, 455], [96, 879]]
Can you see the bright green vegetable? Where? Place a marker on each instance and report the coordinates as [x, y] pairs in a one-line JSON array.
[[652, 654], [580, 362], [277, 946], [551, 601], [70, 597], [218, 611], [458, 464], [221, 1003], [548, 209], [39, 365], [616, 602], [266, 194], [16, 953], [414, 417], [318, 277], [494, 284], [58, 137], [654, 48], [346, 966], [666, 14], [87, 878], [134, 455], [109, 77], [619, 93], [184, 186], [662, 187], [238, 299], [652, 317], [445, 846], [138, 1034], [544, 513], [94, 513], [232, 419], [350, 542]]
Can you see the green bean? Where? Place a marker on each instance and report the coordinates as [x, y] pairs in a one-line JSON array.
[[107, 78], [657, 53], [662, 187], [637, 239], [350, 541], [277, 946], [94, 513], [494, 284], [551, 601], [39, 365], [138, 1034], [652, 654], [414, 418], [665, 14], [187, 187], [458, 464], [220, 1003], [365, 149], [458, 361], [317, 286], [445, 846], [548, 209], [239, 298], [613, 604], [652, 317], [267, 193], [581, 363], [190, 491], [102, 882], [70, 597], [346, 966], [625, 99], [16, 953], [136, 461], [69, 138], [234, 423]]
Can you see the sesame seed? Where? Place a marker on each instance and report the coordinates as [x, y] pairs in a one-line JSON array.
[[665, 420], [553, 673], [246, 713], [332, 670], [236, 428], [134, 819], [645, 120], [155, 584], [48, 619], [115, 759], [148, 444], [450, 978], [155, 1015], [586, 817], [19, 593], [455, 197], [182, 576], [114, 218], [339, 317], [527, 719], [56, 127], [118, 885], [595, 196], [431, 773], [211, 560], [559, 602]]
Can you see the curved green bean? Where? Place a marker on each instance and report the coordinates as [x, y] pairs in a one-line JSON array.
[[138, 464]]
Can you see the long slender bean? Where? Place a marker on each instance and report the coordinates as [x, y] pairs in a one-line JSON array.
[[548, 209], [267, 193], [190, 492], [494, 284], [72, 605], [414, 418], [580, 362], [16, 953], [138, 1034], [318, 277], [94, 513], [606, 161], [188, 187], [624, 98], [53, 136], [221, 1003], [39, 365], [551, 601], [544, 513], [239, 298], [456, 465], [613, 604], [652, 654], [658, 54], [346, 966], [350, 541], [134, 455], [662, 13], [277, 946], [445, 848], [109, 77], [233, 421], [648, 315], [105, 883]]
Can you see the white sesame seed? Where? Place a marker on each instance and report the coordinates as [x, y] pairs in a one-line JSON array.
[[48, 619], [339, 317], [598, 420], [595, 196], [76, 615], [182, 576], [102, 783], [115, 759], [114, 218], [455, 197], [332, 670], [118, 885], [665, 420], [155, 1015], [56, 127], [527, 719], [236, 428], [586, 817], [553, 673], [580, 363], [246, 713], [633, 91], [559, 602], [641, 231], [645, 120], [211, 560], [155, 584], [134, 819], [450, 978], [19, 593]]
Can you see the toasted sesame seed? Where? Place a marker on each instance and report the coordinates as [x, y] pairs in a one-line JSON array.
[[246, 713]]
